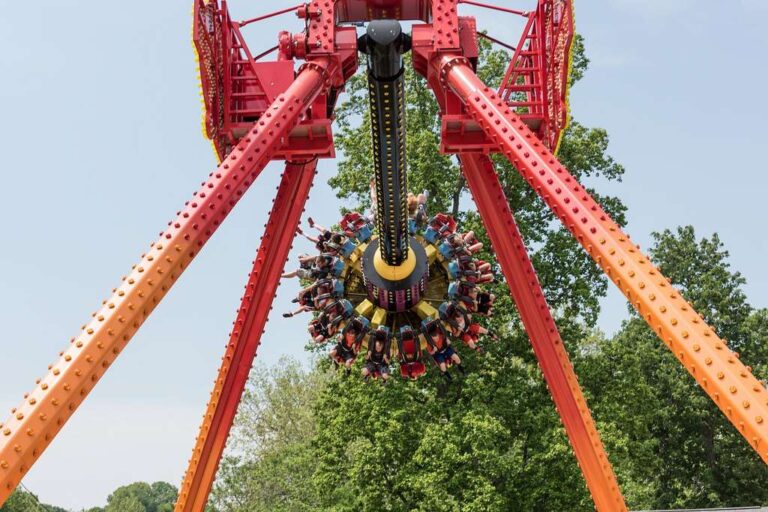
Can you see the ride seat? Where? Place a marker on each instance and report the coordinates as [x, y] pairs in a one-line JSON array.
[[411, 366]]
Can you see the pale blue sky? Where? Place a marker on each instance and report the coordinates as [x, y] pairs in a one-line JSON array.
[[101, 145]]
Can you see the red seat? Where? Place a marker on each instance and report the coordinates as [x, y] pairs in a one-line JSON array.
[[412, 370], [411, 366]]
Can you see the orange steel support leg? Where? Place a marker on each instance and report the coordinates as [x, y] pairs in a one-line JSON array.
[[545, 339], [246, 336], [731, 385], [45, 410]]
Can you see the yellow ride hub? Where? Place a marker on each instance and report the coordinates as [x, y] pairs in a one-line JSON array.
[[395, 272]]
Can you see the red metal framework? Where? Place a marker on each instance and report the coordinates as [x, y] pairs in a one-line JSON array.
[[536, 82], [259, 111], [547, 345], [237, 90], [246, 334]]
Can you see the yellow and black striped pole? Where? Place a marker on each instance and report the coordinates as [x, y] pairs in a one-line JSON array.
[[384, 44]]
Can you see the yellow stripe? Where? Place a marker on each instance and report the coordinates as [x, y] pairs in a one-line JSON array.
[[567, 83], [203, 115]]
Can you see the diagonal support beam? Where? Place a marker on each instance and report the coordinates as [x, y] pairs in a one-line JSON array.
[[246, 335], [730, 384], [545, 339], [44, 411]]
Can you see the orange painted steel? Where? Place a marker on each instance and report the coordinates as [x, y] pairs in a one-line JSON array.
[[245, 338], [44, 411], [545, 339], [718, 370]]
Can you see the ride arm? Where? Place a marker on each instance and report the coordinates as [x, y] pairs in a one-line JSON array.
[[545, 339], [246, 336], [716, 368], [46, 409]]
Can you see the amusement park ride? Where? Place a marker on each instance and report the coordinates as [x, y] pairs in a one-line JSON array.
[[394, 282]]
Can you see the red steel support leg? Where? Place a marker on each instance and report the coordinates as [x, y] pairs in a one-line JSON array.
[[729, 383], [542, 331], [246, 336], [45, 410]]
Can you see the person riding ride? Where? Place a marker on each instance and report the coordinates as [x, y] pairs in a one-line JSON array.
[[460, 325], [305, 299], [409, 353], [439, 347], [377, 358], [352, 335]]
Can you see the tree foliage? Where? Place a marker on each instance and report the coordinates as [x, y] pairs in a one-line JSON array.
[[141, 497], [23, 501], [492, 441], [274, 429], [135, 497]]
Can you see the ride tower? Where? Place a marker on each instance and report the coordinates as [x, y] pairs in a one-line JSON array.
[[394, 265]]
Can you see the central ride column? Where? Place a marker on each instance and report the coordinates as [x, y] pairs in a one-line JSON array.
[[395, 266]]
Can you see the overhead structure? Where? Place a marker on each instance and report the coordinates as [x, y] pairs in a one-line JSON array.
[[257, 111]]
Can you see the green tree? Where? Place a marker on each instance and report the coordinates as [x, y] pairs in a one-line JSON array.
[[20, 501], [23, 501], [272, 438], [142, 497], [672, 446], [125, 502]]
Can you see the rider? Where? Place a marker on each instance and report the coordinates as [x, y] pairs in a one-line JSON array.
[[417, 211], [326, 291], [321, 266], [348, 346], [471, 241], [439, 227], [305, 299], [439, 347], [337, 312], [319, 240], [409, 352], [321, 329], [377, 358], [470, 270], [356, 226], [460, 325]]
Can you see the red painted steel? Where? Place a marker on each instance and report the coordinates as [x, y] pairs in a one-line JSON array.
[[45, 410], [295, 8], [545, 339], [495, 7], [237, 89], [536, 81], [721, 374], [246, 335], [364, 10]]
